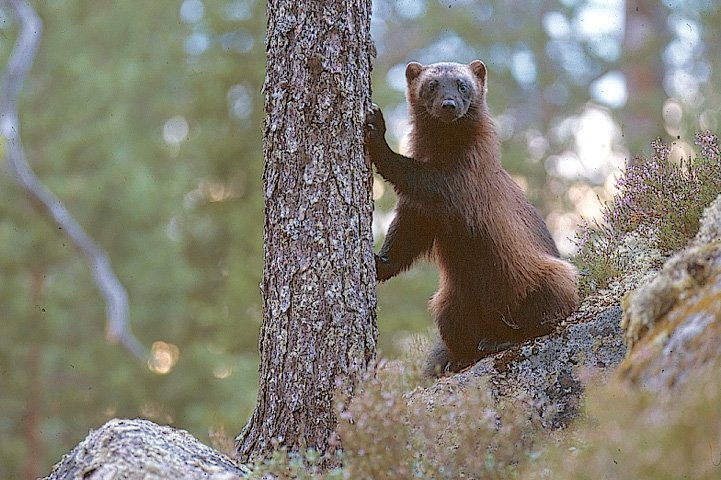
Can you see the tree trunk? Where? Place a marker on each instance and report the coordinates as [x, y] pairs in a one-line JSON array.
[[645, 36], [34, 401], [319, 328]]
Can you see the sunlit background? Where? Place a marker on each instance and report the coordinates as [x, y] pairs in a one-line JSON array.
[[144, 118]]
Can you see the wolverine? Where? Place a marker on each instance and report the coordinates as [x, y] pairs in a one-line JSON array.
[[501, 279]]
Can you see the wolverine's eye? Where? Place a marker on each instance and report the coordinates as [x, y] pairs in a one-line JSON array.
[[462, 87], [432, 86]]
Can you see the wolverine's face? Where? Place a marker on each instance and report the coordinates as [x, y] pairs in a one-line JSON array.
[[446, 91]]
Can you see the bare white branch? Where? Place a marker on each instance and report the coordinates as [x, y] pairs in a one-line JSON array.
[[11, 81]]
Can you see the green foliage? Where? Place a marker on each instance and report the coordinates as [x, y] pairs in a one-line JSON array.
[[180, 216], [403, 309], [658, 195]]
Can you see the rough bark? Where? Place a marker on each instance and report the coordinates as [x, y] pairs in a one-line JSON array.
[[142, 449], [319, 330]]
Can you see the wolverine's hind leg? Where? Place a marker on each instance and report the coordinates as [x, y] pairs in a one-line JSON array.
[[552, 301], [458, 345], [437, 363]]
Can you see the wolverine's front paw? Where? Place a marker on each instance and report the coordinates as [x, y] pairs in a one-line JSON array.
[[375, 123], [375, 127]]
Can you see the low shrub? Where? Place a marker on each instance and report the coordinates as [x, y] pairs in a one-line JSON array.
[[662, 197]]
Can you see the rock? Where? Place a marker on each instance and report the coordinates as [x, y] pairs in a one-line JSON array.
[[673, 322], [550, 372], [132, 449]]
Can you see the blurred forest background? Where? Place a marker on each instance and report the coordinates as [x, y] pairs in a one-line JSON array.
[[144, 118]]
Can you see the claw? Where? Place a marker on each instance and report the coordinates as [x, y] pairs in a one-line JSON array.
[[374, 122]]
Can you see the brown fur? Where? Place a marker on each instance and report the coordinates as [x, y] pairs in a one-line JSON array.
[[501, 281]]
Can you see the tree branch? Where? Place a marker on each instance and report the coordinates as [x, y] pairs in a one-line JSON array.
[[18, 66]]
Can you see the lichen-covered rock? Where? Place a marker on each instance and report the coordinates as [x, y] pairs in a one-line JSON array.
[[680, 279], [710, 224], [140, 449], [549, 372], [673, 323]]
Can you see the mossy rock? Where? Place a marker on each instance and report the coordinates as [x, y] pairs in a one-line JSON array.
[[673, 323]]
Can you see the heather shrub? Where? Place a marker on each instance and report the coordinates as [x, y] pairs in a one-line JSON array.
[[661, 197], [389, 430], [625, 432], [460, 434], [282, 464]]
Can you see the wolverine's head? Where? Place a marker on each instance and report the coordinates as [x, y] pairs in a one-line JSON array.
[[446, 91]]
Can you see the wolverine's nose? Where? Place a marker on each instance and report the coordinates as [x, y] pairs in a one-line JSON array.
[[449, 105]]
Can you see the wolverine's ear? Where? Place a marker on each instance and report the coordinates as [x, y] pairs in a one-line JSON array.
[[413, 69], [479, 70]]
